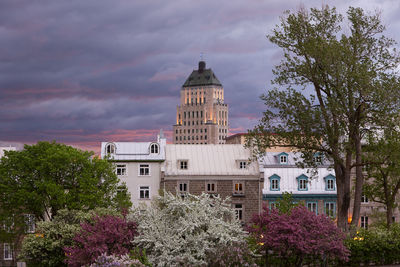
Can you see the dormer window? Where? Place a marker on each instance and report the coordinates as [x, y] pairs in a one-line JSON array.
[[318, 158], [154, 149], [274, 182], [330, 183], [302, 182], [283, 158], [242, 164], [110, 149], [183, 164]]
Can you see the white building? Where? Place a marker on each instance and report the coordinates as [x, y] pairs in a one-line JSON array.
[[6, 148], [281, 174], [138, 164]]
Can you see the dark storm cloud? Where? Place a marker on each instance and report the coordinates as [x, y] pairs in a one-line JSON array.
[[88, 71]]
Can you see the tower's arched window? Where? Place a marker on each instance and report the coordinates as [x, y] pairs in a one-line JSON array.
[[110, 149], [154, 149]]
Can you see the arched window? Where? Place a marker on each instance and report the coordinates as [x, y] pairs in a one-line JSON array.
[[154, 149], [110, 149]]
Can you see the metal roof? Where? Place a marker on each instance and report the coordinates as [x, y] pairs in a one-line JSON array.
[[208, 160], [271, 159], [126, 151], [206, 77]]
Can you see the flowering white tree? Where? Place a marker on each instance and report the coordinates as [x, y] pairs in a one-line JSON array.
[[183, 231]]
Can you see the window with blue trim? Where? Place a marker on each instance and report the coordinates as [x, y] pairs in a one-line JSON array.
[[272, 205], [318, 158], [283, 158], [330, 209], [274, 182], [302, 183], [330, 182], [312, 206]]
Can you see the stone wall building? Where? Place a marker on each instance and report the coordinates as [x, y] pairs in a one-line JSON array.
[[223, 170], [202, 116]]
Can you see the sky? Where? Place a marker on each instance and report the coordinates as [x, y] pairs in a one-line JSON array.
[[87, 71]]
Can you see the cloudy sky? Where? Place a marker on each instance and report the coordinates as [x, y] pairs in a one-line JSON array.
[[82, 72]]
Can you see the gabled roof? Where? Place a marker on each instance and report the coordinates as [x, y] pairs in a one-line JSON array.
[[208, 160]]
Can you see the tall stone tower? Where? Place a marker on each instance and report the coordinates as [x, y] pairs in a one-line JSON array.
[[202, 116]]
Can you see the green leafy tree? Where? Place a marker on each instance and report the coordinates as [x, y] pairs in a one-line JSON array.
[[47, 177], [44, 178], [332, 84], [383, 168], [46, 246]]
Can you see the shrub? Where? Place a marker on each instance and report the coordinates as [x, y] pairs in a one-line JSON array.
[[106, 234], [378, 246], [297, 237], [46, 246], [176, 231], [105, 260]]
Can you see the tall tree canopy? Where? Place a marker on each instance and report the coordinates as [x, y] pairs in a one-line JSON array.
[[331, 86], [382, 160], [46, 177]]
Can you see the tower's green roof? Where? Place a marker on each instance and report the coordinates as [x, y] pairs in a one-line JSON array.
[[202, 76]]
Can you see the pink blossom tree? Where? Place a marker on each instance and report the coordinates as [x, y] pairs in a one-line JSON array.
[[107, 234], [297, 237]]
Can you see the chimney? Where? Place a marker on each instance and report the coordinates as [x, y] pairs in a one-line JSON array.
[[202, 66]]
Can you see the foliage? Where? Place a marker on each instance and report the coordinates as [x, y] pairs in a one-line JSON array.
[[286, 203], [183, 231], [383, 180], [235, 254], [105, 260], [106, 234], [297, 237], [47, 177], [46, 246], [333, 83], [378, 246]]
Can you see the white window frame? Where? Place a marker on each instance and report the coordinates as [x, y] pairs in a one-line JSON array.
[[242, 164], [330, 184], [144, 188], [7, 252], [238, 190], [122, 168], [331, 210], [238, 207], [364, 198], [303, 184], [364, 222], [181, 187], [154, 148], [30, 225], [211, 187], [312, 206], [110, 149], [283, 159], [183, 164], [144, 166]]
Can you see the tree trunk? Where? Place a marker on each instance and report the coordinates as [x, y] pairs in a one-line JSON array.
[[359, 181], [343, 196], [389, 213]]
